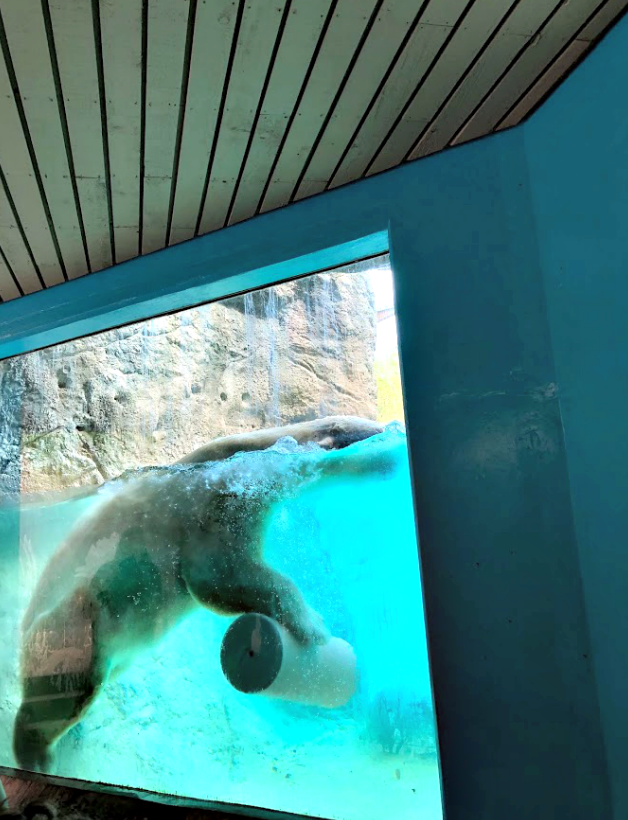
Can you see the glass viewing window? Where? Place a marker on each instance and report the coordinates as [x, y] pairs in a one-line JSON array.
[[209, 578]]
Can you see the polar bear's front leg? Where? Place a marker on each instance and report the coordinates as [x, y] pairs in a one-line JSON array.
[[232, 584]]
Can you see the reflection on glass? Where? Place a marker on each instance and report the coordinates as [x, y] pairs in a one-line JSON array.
[[209, 583]]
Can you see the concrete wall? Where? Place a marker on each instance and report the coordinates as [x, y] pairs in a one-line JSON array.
[[577, 147], [515, 693], [517, 705]]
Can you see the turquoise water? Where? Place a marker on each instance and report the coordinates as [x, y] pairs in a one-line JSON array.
[[172, 724]]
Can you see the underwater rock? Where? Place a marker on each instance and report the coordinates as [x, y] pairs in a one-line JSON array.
[[397, 723], [149, 393]]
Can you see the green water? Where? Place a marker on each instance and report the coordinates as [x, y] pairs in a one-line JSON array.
[[172, 724]]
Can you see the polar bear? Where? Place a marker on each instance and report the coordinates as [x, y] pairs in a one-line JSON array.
[[161, 543]]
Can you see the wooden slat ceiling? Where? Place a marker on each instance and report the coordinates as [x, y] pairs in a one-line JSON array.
[[130, 125]]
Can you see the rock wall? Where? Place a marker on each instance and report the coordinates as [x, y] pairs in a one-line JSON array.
[[11, 392], [149, 393]]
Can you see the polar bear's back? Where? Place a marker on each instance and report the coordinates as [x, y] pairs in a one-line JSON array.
[[95, 540]]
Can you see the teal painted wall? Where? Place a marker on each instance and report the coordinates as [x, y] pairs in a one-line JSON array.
[[516, 698], [512, 671], [577, 147]]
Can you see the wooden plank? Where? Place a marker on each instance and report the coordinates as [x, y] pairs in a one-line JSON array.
[[296, 51], [531, 63], [121, 31], [213, 35], [258, 34], [8, 288], [72, 26], [553, 75], [342, 37], [389, 29], [429, 36], [167, 27], [479, 24], [609, 12], [14, 248], [26, 35], [519, 28], [24, 190]]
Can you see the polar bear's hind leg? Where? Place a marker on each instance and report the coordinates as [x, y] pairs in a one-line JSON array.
[[58, 684]]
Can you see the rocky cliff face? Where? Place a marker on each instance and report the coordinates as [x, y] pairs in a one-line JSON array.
[[151, 392]]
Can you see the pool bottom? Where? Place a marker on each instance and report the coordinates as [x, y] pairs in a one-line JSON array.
[[244, 750], [82, 788]]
